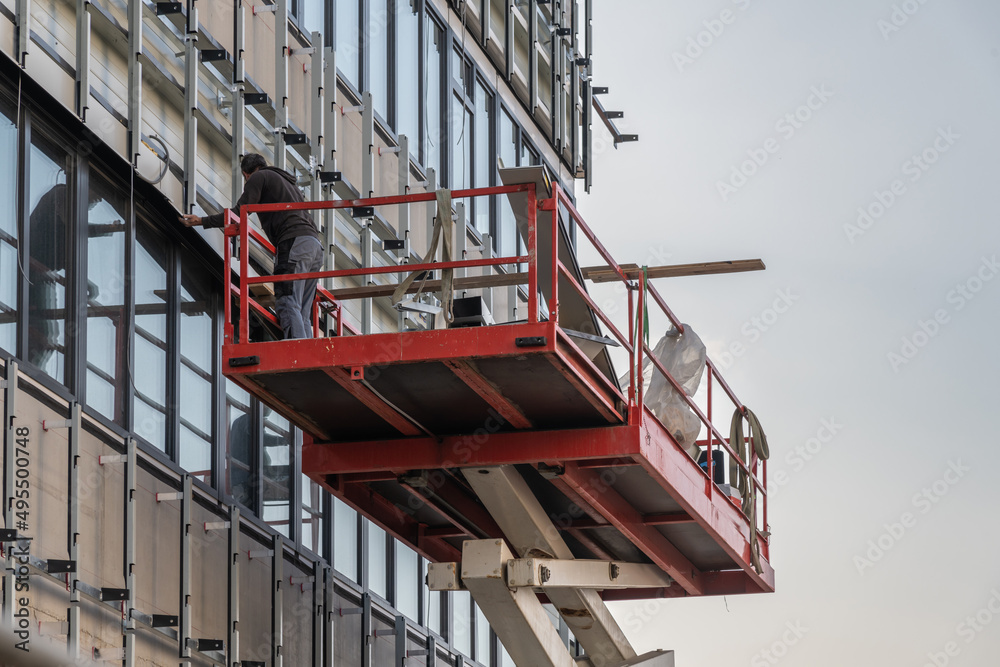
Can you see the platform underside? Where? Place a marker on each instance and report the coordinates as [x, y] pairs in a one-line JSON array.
[[437, 405]]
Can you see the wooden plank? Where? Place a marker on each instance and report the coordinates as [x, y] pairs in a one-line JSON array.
[[605, 274], [469, 282]]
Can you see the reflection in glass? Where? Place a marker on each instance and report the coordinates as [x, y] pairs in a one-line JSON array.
[[345, 540], [461, 144], [311, 15], [508, 155], [107, 328], [9, 245], [312, 515], [482, 637], [149, 405], [407, 591], [195, 395], [277, 470], [461, 618], [240, 446], [348, 20], [378, 51], [408, 72], [434, 38], [49, 219], [376, 559], [481, 176]]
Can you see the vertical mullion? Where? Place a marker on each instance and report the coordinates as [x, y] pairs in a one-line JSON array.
[[422, 43], [24, 244], [364, 61], [78, 267], [391, 105], [173, 356], [295, 489]]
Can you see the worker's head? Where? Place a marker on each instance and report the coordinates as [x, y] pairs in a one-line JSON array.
[[251, 163]]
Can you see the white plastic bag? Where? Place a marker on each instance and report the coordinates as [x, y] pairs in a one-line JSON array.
[[684, 356]]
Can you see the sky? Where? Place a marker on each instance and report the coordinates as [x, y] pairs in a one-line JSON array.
[[853, 147]]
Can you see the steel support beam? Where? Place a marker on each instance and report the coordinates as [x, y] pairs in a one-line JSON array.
[[530, 530], [402, 455], [373, 402], [486, 390], [553, 573], [135, 79], [83, 58], [22, 19], [597, 493], [517, 616]]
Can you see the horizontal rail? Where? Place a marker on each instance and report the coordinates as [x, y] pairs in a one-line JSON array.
[[597, 311], [379, 270], [414, 198]]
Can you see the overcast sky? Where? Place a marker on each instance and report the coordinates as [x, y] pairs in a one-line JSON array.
[[888, 335]]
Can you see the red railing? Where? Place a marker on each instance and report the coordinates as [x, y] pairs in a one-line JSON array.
[[641, 298]]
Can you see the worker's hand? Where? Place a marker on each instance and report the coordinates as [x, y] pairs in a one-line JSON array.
[[191, 220]]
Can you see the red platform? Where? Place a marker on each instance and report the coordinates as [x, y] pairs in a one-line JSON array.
[[395, 420]]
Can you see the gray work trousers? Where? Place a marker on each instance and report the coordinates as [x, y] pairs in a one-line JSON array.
[[294, 298]]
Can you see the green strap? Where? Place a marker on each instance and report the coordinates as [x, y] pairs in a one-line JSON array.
[[748, 490]]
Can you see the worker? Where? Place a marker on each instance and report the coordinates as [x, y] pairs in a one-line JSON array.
[[293, 233]]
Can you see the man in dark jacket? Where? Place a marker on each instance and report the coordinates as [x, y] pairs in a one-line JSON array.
[[293, 233]]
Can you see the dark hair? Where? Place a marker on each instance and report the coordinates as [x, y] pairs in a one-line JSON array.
[[252, 162]]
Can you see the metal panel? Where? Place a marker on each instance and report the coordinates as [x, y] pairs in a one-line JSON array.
[[280, 81], [239, 103], [277, 601], [131, 470], [9, 409], [184, 631], [73, 533], [233, 646], [22, 19]]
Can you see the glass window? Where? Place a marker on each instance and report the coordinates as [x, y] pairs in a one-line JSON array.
[[312, 515], [345, 540], [461, 143], [50, 219], [277, 470], [9, 247], [195, 393], [107, 326], [408, 72], [433, 141], [433, 598], [407, 591], [348, 48], [241, 471], [482, 637], [149, 404], [461, 618], [507, 236], [378, 53], [310, 14], [376, 559], [481, 174]]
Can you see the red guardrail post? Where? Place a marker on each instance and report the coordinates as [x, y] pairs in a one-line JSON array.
[[532, 256], [227, 277], [244, 270]]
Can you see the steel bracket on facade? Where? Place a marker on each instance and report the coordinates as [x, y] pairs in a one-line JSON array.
[[108, 654], [82, 58]]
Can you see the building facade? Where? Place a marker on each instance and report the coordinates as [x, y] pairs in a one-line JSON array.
[[160, 511]]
